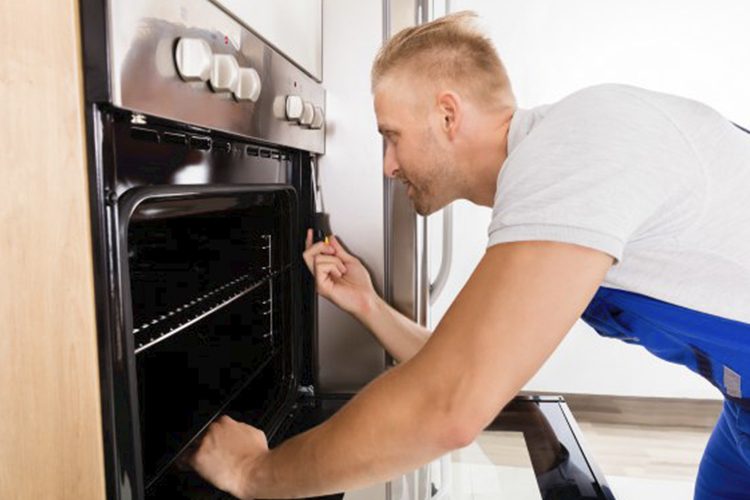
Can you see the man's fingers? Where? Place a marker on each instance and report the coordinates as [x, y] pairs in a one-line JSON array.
[[330, 270], [321, 248], [225, 419], [309, 239], [321, 260], [313, 251], [191, 456], [340, 250], [325, 273]]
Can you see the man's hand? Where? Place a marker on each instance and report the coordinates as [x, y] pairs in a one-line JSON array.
[[342, 279], [339, 276], [227, 454]]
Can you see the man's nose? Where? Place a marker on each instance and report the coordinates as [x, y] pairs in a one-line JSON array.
[[390, 165]]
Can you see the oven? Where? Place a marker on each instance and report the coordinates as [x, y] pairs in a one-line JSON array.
[[202, 142]]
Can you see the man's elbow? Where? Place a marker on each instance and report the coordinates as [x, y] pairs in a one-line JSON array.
[[464, 420], [458, 427], [457, 433]]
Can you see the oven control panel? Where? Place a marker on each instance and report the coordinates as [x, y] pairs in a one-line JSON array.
[[195, 62], [302, 112], [192, 62]]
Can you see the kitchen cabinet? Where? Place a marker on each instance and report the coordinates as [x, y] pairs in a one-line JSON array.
[[50, 436]]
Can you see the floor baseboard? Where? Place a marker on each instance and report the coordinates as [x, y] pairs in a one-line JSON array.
[[628, 410]]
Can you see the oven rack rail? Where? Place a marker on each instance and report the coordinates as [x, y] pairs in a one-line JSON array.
[[174, 321]]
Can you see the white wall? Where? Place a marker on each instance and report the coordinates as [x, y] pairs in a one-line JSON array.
[[694, 48]]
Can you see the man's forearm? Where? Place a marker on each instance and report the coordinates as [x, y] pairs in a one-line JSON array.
[[399, 335], [395, 424]]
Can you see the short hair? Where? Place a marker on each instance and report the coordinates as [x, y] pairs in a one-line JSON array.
[[452, 49]]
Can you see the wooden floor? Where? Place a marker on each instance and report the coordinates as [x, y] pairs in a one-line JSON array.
[[671, 453], [647, 449]]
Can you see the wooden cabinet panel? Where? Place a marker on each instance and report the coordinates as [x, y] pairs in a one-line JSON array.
[[50, 420]]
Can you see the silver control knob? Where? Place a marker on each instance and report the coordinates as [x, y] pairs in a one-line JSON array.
[[192, 56], [248, 85], [224, 72], [308, 113], [294, 107], [318, 118]]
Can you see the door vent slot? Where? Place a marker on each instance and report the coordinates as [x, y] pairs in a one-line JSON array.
[[222, 147], [202, 143], [174, 138], [144, 134]]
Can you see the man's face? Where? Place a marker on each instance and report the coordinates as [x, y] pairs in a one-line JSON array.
[[417, 153]]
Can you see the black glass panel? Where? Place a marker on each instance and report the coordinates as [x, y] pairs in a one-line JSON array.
[[260, 402], [562, 470], [211, 280]]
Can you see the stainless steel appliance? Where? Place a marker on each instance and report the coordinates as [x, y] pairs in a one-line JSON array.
[[202, 140]]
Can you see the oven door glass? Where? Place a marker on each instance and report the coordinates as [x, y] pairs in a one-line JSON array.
[[210, 278]]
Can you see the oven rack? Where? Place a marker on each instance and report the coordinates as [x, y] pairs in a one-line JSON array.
[[172, 322]]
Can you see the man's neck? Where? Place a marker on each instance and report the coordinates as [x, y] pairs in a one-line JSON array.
[[487, 156]]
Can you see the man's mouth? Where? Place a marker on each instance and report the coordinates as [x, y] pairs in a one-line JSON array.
[[410, 190]]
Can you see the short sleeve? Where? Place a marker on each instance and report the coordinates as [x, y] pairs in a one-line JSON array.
[[597, 170]]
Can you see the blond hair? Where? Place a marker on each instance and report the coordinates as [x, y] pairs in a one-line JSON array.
[[451, 50]]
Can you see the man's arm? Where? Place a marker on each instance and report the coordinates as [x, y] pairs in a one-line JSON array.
[[517, 306], [399, 335]]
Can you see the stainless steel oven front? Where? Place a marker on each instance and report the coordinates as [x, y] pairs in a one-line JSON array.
[[201, 143]]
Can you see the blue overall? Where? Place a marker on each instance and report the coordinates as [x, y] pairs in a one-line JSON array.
[[714, 347]]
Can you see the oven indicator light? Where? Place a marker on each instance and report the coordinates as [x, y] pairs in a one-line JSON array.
[[226, 40]]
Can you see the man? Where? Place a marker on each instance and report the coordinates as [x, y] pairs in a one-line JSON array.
[[619, 205]]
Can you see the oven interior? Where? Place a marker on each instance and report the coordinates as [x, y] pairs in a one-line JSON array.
[[209, 276]]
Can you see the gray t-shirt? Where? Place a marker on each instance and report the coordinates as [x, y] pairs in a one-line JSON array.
[[661, 183]]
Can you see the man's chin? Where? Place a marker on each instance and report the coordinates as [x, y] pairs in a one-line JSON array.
[[421, 205], [423, 209]]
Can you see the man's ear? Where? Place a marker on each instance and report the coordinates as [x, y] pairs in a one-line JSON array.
[[450, 109]]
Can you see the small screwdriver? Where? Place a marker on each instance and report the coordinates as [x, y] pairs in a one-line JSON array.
[[321, 221]]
